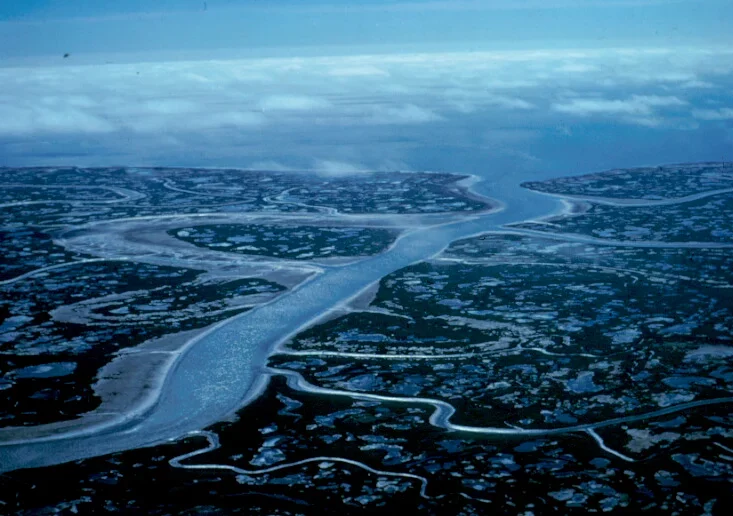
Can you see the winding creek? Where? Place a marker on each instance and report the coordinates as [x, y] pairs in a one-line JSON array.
[[221, 370]]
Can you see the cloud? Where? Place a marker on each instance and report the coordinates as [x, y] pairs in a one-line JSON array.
[[635, 105], [331, 168], [358, 71], [575, 67], [168, 106], [74, 101], [188, 121], [405, 114], [713, 114], [321, 167], [291, 109], [637, 109], [466, 103], [292, 103], [237, 119], [271, 165], [24, 120], [694, 84]]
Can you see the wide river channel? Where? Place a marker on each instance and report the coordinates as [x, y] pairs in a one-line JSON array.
[[222, 370]]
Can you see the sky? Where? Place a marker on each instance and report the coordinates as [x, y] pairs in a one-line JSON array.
[[523, 88], [53, 27]]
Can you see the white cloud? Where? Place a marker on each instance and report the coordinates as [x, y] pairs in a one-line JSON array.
[[169, 106], [240, 119], [26, 120], [577, 67], [272, 165], [694, 84], [191, 121], [405, 114], [292, 103], [278, 105], [713, 114], [635, 105], [358, 71], [508, 102], [321, 167], [471, 101], [75, 101], [331, 168]]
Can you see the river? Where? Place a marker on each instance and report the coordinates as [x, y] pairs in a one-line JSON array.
[[223, 370]]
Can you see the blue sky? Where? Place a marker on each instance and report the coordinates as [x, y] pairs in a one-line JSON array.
[[526, 88], [38, 27]]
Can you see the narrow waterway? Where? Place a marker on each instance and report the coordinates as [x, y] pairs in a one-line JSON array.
[[223, 369]]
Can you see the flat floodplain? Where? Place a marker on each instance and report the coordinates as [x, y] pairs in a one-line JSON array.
[[294, 242], [544, 365]]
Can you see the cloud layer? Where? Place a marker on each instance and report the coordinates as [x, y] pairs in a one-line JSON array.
[[290, 104]]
